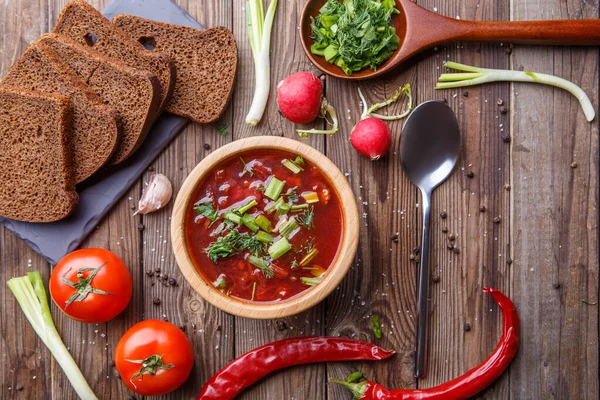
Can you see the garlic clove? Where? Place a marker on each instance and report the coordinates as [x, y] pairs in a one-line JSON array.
[[155, 195]]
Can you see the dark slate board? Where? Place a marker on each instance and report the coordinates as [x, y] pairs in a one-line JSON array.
[[98, 195]]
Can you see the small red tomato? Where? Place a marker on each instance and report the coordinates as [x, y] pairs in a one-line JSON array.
[[154, 357], [91, 285]]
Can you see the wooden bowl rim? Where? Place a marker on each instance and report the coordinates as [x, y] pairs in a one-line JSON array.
[[297, 304]]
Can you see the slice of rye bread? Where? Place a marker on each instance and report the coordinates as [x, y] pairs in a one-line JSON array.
[[96, 127], [37, 180], [84, 24], [133, 92], [205, 60]]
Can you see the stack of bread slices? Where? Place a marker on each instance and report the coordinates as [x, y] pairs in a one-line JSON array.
[[85, 96]]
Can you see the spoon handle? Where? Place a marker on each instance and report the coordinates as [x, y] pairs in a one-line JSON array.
[[423, 289], [557, 32]]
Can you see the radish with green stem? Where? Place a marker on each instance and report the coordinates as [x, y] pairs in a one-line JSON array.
[[371, 137], [476, 76], [300, 99], [259, 34]]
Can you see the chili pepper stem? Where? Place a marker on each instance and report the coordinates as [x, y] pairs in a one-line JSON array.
[[358, 389]]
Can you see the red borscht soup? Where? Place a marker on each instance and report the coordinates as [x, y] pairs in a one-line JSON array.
[[264, 227]]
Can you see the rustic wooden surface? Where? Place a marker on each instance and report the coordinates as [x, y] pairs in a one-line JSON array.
[[543, 253]]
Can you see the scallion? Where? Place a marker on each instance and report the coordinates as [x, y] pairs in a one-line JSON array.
[[248, 221], [476, 76], [282, 221], [279, 248], [299, 207], [263, 264], [31, 295], [264, 223], [248, 206], [299, 160], [259, 28], [274, 188], [289, 228], [309, 257], [264, 237], [272, 206], [233, 217], [292, 166], [310, 281], [221, 282], [283, 208]]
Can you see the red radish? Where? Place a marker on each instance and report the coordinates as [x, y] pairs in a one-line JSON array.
[[299, 97], [371, 137]]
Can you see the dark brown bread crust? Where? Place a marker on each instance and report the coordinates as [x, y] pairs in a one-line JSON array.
[[205, 60], [134, 93], [84, 24], [96, 127], [36, 179]]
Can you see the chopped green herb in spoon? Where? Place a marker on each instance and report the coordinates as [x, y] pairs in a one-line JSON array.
[[355, 34]]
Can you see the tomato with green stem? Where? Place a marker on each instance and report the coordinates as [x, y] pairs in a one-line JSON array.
[[154, 357], [91, 285]]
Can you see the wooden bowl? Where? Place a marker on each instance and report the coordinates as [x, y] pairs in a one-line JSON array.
[[301, 302]]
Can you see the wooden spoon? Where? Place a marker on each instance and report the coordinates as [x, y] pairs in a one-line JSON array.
[[420, 29]]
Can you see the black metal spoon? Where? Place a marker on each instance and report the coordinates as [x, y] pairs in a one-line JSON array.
[[429, 150]]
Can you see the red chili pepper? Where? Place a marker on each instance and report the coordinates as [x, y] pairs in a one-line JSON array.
[[254, 365], [467, 385]]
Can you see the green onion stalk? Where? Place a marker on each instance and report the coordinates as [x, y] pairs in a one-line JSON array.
[[31, 295], [259, 34], [476, 76]]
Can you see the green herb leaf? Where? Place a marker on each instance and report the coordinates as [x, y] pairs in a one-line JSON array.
[[231, 244], [354, 377], [263, 264], [246, 169], [223, 130], [206, 209], [376, 327], [355, 34], [306, 219]]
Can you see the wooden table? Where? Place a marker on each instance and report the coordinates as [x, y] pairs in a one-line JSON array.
[[534, 160]]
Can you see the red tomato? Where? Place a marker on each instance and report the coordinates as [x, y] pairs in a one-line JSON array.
[[91, 285], [164, 351]]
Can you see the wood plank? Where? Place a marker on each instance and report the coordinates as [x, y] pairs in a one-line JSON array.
[[287, 56], [555, 216], [209, 329], [457, 300], [382, 280], [92, 345], [23, 356]]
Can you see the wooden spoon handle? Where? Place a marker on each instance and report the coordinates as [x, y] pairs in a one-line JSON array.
[[558, 32]]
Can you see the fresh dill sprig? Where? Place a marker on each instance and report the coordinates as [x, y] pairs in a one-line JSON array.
[[222, 130], [231, 244], [246, 168], [306, 219]]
